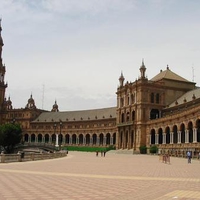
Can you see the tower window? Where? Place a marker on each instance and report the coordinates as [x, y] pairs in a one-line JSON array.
[[152, 97]]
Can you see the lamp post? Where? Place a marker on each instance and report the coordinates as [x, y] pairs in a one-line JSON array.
[[60, 136], [13, 121], [54, 139]]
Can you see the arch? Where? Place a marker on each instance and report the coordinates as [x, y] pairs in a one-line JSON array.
[[132, 98], [114, 138], [175, 131], [127, 116], [87, 139], [160, 136], [198, 129], [167, 131], [182, 129], [132, 138], [74, 139], [80, 137], [126, 140], [46, 138], [121, 102], [152, 97], [108, 139], [157, 98], [122, 117], [33, 137], [121, 139], [94, 139], [190, 132], [153, 136], [101, 139], [133, 115], [40, 137], [54, 138], [26, 136], [67, 138]]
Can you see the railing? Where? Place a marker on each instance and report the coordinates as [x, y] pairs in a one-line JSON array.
[[7, 158]]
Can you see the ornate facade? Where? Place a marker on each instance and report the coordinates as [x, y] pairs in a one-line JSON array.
[[162, 111]]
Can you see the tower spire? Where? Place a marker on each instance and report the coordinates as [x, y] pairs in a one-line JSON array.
[[3, 86], [121, 79], [142, 69], [1, 43]]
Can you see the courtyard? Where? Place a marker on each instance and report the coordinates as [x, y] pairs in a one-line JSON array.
[[86, 176]]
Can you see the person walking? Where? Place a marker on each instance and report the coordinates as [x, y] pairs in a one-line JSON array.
[[189, 156]]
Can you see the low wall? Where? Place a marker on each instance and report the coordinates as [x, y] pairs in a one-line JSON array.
[[7, 158]]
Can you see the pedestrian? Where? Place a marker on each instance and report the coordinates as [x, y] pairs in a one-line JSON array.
[[101, 153], [189, 156], [97, 153], [104, 153]]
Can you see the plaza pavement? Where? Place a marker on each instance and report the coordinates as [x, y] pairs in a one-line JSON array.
[[83, 176]]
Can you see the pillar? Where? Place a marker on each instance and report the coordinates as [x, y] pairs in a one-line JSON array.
[[164, 138], [179, 137], [186, 136], [156, 138], [194, 135]]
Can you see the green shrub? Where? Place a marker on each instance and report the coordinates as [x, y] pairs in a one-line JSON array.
[[88, 148], [143, 149], [153, 149]]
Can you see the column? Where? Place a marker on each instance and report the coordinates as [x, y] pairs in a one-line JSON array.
[[56, 140], [84, 140], [97, 140], [70, 139], [91, 140], [150, 139], [186, 136], [179, 137], [50, 139], [77, 140], [111, 140], [164, 138], [172, 138], [104, 140], [194, 135], [156, 138], [29, 138]]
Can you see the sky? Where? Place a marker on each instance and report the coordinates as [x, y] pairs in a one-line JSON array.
[[73, 51]]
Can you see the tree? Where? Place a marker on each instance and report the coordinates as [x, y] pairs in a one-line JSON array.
[[10, 135]]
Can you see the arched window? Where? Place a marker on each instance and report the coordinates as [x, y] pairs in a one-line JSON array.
[[133, 115], [127, 116], [157, 98], [122, 117], [154, 114], [122, 102], [152, 97]]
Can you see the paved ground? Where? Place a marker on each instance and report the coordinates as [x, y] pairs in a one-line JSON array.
[[87, 177]]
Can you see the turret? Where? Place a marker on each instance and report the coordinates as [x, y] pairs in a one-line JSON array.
[[1, 43], [3, 86], [55, 107], [142, 70], [121, 80], [31, 103]]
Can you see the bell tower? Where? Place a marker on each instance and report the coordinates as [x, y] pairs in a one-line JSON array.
[[3, 86]]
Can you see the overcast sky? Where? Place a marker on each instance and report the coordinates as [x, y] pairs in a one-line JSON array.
[[73, 51]]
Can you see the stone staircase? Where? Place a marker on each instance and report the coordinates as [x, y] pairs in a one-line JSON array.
[[123, 151]]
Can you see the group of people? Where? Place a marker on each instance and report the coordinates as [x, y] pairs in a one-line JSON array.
[[103, 153]]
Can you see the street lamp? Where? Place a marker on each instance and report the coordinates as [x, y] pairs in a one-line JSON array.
[[60, 136], [54, 139], [13, 121]]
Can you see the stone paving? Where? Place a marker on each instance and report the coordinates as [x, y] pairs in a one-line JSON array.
[[114, 177]]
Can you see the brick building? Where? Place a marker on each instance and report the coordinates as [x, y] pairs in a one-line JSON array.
[[162, 111]]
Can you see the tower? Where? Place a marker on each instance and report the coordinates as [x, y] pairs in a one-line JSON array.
[[3, 86], [142, 70]]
